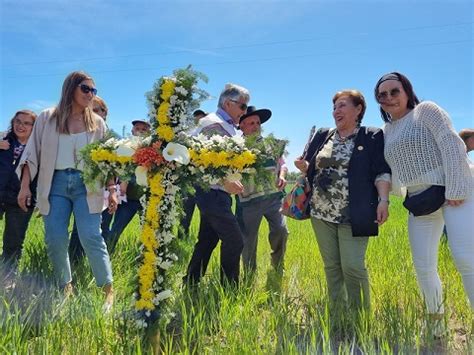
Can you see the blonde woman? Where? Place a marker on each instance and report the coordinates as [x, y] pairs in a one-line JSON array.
[[52, 154]]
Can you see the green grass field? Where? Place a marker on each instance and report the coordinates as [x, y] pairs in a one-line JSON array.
[[270, 314]]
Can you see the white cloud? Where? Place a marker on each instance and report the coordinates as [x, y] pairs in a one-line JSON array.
[[39, 105]]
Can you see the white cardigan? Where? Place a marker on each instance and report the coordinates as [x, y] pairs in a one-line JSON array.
[[422, 148], [40, 155]]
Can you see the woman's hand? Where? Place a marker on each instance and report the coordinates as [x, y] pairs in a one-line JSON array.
[[123, 188], [280, 183], [382, 212], [455, 203], [4, 145], [302, 165], [24, 198], [233, 187], [113, 201]]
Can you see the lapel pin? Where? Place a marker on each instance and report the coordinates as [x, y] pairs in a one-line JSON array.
[[360, 147]]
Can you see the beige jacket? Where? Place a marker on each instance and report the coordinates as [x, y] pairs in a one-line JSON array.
[[41, 152]]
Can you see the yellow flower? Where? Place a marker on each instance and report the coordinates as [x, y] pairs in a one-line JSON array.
[[239, 161], [99, 155], [144, 304], [165, 132], [162, 115], [167, 89], [148, 238]]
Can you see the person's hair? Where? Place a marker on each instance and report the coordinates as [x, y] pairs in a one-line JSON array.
[[407, 87], [100, 102], [199, 112], [466, 133], [11, 132], [357, 99], [233, 92], [64, 108]]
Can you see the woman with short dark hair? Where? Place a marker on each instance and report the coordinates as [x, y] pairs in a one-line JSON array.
[[349, 181]]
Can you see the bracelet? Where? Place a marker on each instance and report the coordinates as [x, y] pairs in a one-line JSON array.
[[384, 200]]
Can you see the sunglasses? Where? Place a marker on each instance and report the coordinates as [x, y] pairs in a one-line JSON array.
[[382, 96], [87, 89], [18, 122], [242, 106]]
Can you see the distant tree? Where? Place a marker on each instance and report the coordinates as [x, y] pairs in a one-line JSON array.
[[292, 176]]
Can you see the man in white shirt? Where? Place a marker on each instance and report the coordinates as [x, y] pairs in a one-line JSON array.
[[217, 219]]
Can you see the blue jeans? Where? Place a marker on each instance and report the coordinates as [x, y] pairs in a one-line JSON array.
[[122, 217], [68, 195], [76, 251]]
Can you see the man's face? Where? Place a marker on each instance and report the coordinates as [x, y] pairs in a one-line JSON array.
[[235, 109], [251, 125], [140, 129]]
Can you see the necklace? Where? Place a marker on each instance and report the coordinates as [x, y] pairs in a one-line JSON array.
[[343, 139]]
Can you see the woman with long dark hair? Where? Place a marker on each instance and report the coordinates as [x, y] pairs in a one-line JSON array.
[[16, 219], [429, 159]]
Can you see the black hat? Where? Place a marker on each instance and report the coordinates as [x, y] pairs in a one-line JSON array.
[[140, 121], [199, 112], [264, 114]]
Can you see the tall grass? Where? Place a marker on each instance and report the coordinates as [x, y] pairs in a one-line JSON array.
[[271, 313]]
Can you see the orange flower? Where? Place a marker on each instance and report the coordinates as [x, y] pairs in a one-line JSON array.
[[149, 156]]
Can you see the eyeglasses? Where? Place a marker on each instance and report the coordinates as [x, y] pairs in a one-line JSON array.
[[242, 106], [99, 109], [87, 89], [382, 96], [18, 122]]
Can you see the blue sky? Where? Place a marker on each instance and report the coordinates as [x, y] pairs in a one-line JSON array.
[[292, 55]]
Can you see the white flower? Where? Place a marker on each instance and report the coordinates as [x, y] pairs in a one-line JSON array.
[[163, 295], [141, 174], [181, 90], [165, 265], [146, 141], [239, 140], [176, 152], [125, 148], [141, 324]]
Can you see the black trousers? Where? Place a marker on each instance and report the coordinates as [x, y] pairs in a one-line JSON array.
[[16, 224], [217, 223]]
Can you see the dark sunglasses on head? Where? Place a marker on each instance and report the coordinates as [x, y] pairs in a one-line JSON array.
[[87, 89], [242, 106], [381, 96]]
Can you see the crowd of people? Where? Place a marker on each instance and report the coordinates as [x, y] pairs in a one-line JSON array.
[[350, 170]]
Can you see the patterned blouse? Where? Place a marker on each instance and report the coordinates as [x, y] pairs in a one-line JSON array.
[[330, 199]]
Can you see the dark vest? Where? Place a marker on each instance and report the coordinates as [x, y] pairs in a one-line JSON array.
[[367, 161]]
